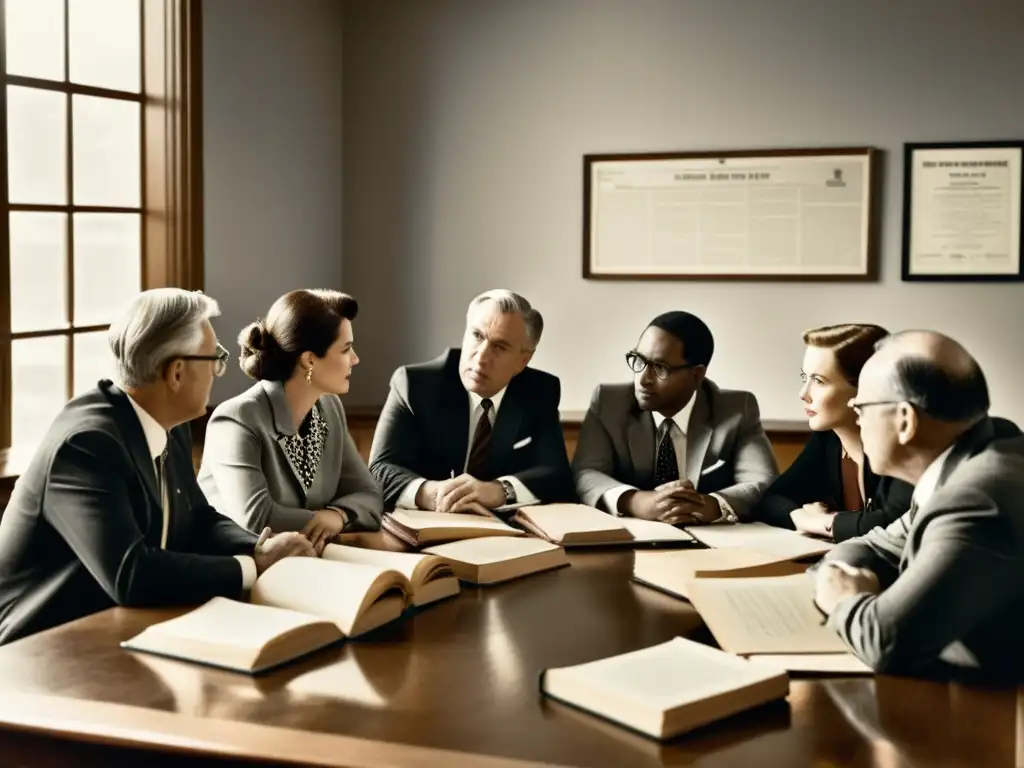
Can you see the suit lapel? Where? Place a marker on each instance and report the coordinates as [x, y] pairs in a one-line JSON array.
[[698, 437], [641, 437], [454, 421], [135, 442], [506, 428], [283, 427]]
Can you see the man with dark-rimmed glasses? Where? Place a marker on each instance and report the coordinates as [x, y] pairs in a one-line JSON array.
[[672, 446], [109, 511]]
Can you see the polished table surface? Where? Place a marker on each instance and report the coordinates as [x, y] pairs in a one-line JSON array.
[[462, 676]]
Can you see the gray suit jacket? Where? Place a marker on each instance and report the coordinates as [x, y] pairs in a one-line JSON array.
[[617, 446], [951, 570], [247, 476]]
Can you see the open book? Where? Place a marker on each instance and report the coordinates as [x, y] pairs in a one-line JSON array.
[[670, 571], [499, 558], [432, 578], [298, 605], [771, 616], [762, 538], [667, 689], [575, 525], [417, 527]]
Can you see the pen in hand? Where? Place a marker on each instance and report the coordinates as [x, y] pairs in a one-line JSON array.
[[264, 535]]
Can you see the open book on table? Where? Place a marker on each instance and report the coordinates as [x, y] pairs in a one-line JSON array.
[[431, 577], [671, 571], [762, 538], [417, 527], [494, 559], [667, 689], [298, 605], [575, 525], [772, 617]]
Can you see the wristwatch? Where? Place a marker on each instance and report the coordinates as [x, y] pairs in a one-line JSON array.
[[345, 519], [510, 491]]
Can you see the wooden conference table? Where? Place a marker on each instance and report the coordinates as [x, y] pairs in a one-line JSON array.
[[457, 685]]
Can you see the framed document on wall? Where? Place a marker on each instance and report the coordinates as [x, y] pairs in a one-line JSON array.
[[962, 211], [791, 214]]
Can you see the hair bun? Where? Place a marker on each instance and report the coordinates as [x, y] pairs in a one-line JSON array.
[[254, 338]]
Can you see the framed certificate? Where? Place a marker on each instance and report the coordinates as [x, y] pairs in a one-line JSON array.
[[962, 211], [789, 214]]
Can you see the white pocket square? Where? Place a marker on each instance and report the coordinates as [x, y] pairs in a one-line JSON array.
[[713, 467], [522, 443]]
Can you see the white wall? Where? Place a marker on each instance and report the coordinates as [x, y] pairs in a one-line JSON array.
[[272, 157], [466, 120]]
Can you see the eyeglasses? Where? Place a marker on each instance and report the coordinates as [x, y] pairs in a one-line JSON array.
[[859, 407], [637, 363], [220, 360]]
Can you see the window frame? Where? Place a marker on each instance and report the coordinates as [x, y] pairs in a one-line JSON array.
[[171, 170]]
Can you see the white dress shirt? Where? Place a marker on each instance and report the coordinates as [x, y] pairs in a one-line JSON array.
[[407, 499], [678, 426], [156, 440]]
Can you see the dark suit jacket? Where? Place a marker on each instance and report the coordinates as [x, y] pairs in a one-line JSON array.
[[726, 447], [424, 431], [82, 530], [816, 475]]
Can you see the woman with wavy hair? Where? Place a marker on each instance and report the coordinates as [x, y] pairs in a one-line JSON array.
[[830, 490], [280, 454]]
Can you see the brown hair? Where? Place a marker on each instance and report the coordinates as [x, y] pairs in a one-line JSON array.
[[852, 343], [306, 320]]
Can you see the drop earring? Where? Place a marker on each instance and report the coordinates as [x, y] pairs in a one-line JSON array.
[[309, 375]]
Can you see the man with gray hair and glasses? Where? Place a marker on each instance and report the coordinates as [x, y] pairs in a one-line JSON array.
[[942, 588], [475, 429], [109, 511]]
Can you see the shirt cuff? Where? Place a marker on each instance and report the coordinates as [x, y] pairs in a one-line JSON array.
[[523, 496], [728, 515], [407, 499], [611, 498], [248, 571]]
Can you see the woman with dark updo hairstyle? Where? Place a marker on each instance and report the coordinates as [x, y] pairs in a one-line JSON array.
[[279, 455], [830, 490]]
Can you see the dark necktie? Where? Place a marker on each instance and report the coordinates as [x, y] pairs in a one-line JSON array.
[[666, 469], [161, 484], [477, 464]]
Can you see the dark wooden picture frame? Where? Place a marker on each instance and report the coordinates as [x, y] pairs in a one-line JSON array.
[[908, 207], [867, 272]]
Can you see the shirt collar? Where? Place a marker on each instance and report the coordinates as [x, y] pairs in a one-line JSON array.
[[156, 435], [929, 481], [682, 418], [475, 400]]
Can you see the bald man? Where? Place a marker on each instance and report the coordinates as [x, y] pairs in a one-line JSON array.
[[943, 586]]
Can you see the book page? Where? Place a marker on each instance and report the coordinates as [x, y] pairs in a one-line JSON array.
[[666, 675], [671, 570], [331, 590], [830, 663], [558, 520], [221, 621], [653, 530], [760, 537], [491, 549], [416, 520], [764, 615], [406, 563]]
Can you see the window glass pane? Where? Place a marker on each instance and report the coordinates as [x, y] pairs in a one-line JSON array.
[[38, 381], [38, 260], [93, 360], [105, 43], [108, 270], [36, 149], [106, 151], [35, 38]]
